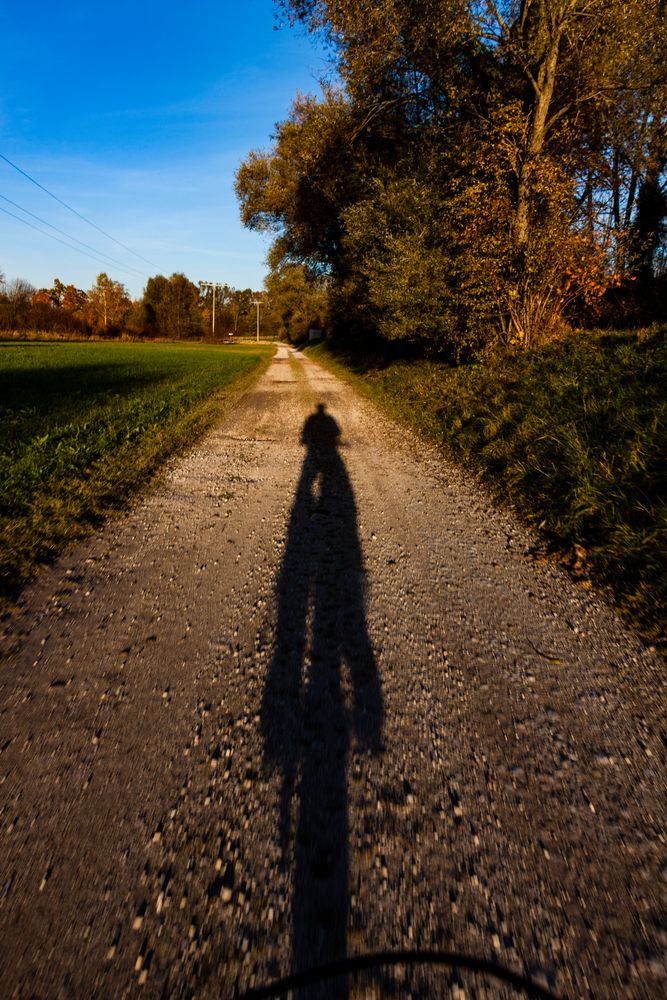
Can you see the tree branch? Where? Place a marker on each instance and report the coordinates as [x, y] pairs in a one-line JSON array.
[[496, 13]]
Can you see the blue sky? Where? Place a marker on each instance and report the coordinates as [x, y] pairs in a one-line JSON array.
[[137, 115]]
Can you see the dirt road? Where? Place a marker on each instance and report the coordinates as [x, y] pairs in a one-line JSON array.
[[315, 696]]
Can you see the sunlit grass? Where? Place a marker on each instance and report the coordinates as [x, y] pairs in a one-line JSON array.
[[573, 435], [84, 426]]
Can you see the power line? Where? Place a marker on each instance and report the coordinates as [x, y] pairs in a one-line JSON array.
[[74, 239], [70, 209], [56, 238]]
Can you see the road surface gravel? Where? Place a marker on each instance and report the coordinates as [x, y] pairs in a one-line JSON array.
[[317, 695]]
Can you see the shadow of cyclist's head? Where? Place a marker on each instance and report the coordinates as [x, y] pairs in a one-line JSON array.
[[320, 432]]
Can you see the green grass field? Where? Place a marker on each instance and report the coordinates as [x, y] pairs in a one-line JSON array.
[[84, 426], [574, 435]]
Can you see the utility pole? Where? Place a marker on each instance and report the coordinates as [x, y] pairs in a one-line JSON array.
[[212, 285], [257, 303]]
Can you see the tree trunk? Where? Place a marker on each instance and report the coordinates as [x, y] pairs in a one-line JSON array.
[[543, 86]]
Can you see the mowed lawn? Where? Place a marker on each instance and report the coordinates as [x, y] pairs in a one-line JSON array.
[[84, 426]]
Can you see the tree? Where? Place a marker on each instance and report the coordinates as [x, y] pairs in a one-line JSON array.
[[155, 303], [107, 304], [172, 307], [231, 306], [220, 295], [469, 176], [74, 300], [299, 189], [182, 302], [241, 306], [15, 303], [296, 300]]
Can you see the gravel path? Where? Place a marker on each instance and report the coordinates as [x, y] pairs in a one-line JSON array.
[[316, 696]]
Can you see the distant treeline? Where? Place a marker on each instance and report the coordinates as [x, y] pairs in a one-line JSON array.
[[173, 308]]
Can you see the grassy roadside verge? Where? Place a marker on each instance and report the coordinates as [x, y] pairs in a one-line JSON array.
[[84, 427], [573, 435]]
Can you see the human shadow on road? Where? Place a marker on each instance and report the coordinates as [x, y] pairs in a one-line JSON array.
[[322, 693]]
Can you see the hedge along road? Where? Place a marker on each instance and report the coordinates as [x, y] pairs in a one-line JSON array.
[[316, 697]]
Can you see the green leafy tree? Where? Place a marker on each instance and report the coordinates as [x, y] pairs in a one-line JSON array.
[[172, 307], [241, 311], [224, 295], [297, 190], [183, 316], [296, 301], [155, 303], [232, 307]]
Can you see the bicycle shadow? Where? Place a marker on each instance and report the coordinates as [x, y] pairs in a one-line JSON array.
[[322, 693]]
